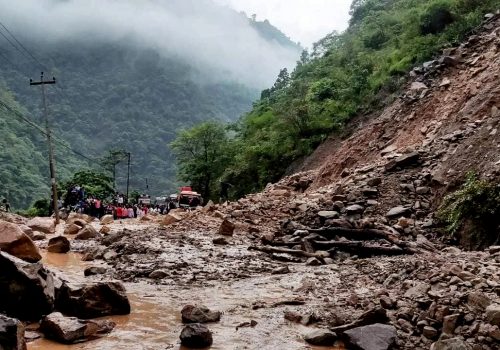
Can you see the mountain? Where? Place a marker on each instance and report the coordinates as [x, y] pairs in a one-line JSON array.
[[128, 77]]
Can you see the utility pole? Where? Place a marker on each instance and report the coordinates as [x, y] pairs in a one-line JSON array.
[[53, 182], [128, 173]]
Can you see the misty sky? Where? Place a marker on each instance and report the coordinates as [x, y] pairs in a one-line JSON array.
[[306, 21]]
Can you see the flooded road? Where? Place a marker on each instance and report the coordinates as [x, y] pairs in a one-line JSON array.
[[155, 321]]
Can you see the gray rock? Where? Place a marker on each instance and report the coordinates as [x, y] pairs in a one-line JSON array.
[[26, 290], [59, 244], [354, 209], [493, 314], [373, 337], [94, 270], [313, 262], [321, 337], [227, 228], [398, 212], [451, 344], [88, 232], [70, 330], [328, 214], [11, 334], [199, 314], [196, 336], [404, 161], [430, 332], [158, 274], [93, 300]]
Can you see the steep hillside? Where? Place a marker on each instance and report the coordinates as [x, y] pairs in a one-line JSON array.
[[122, 85], [346, 75]]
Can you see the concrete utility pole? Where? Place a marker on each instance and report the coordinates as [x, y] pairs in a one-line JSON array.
[[128, 173], [53, 182]]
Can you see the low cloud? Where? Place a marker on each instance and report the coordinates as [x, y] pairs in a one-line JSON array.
[[207, 35]]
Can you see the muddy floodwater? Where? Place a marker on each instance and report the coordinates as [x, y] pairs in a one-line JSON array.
[[155, 321]]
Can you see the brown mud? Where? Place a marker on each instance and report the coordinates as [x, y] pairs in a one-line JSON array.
[[155, 321]]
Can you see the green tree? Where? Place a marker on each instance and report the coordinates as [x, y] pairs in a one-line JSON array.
[[111, 160], [96, 184], [202, 155]]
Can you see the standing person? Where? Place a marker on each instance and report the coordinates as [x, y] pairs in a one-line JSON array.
[[6, 205], [224, 191]]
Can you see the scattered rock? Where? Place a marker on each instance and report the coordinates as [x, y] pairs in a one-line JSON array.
[[196, 336], [105, 230], [398, 211], [169, 219], [493, 314], [45, 225], [373, 337], [70, 330], [72, 229], [199, 314], [94, 270], [313, 262], [88, 232], [321, 338], [430, 332], [404, 161], [281, 270], [107, 219], [355, 209], [59, 244], [158, 274], [93, 300], [15, 242], [328, 214], [226, 228], [451, 344], [220, 241]]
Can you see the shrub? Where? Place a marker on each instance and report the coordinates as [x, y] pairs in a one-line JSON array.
[[472, 213]]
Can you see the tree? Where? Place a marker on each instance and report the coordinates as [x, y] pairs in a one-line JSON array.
[[96, 184], [202, 155], [111, 160]]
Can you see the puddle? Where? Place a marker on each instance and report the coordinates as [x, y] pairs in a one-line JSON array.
[[155, 321]]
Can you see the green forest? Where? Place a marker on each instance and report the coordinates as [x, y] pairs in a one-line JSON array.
[[344, 74], [107, 96]]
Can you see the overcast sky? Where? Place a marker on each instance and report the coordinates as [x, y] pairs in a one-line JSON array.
[[306, 21]]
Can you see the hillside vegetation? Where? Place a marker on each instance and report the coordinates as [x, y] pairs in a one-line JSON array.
[[344, 75]]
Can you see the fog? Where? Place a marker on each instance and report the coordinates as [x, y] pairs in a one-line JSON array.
[[200, 32]]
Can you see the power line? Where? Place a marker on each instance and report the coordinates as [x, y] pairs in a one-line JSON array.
[[21, 45], [42, 130]]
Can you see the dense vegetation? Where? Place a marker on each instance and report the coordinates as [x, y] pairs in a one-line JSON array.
[[108, 96], [472, 213], [342, 75]]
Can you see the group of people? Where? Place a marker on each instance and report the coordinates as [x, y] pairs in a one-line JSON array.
[[76, 199]]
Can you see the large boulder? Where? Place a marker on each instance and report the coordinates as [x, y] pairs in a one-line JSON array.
[[45, 225], [58, 244], [196, 336], [199, 314], [69, 330], [77, 217], [26, 290], [11, 334], [373, 337], [88, 232], [93, 300], [107, 219], [15, 242]]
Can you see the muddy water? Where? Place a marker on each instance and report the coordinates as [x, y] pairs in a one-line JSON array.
[[155, 319]]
